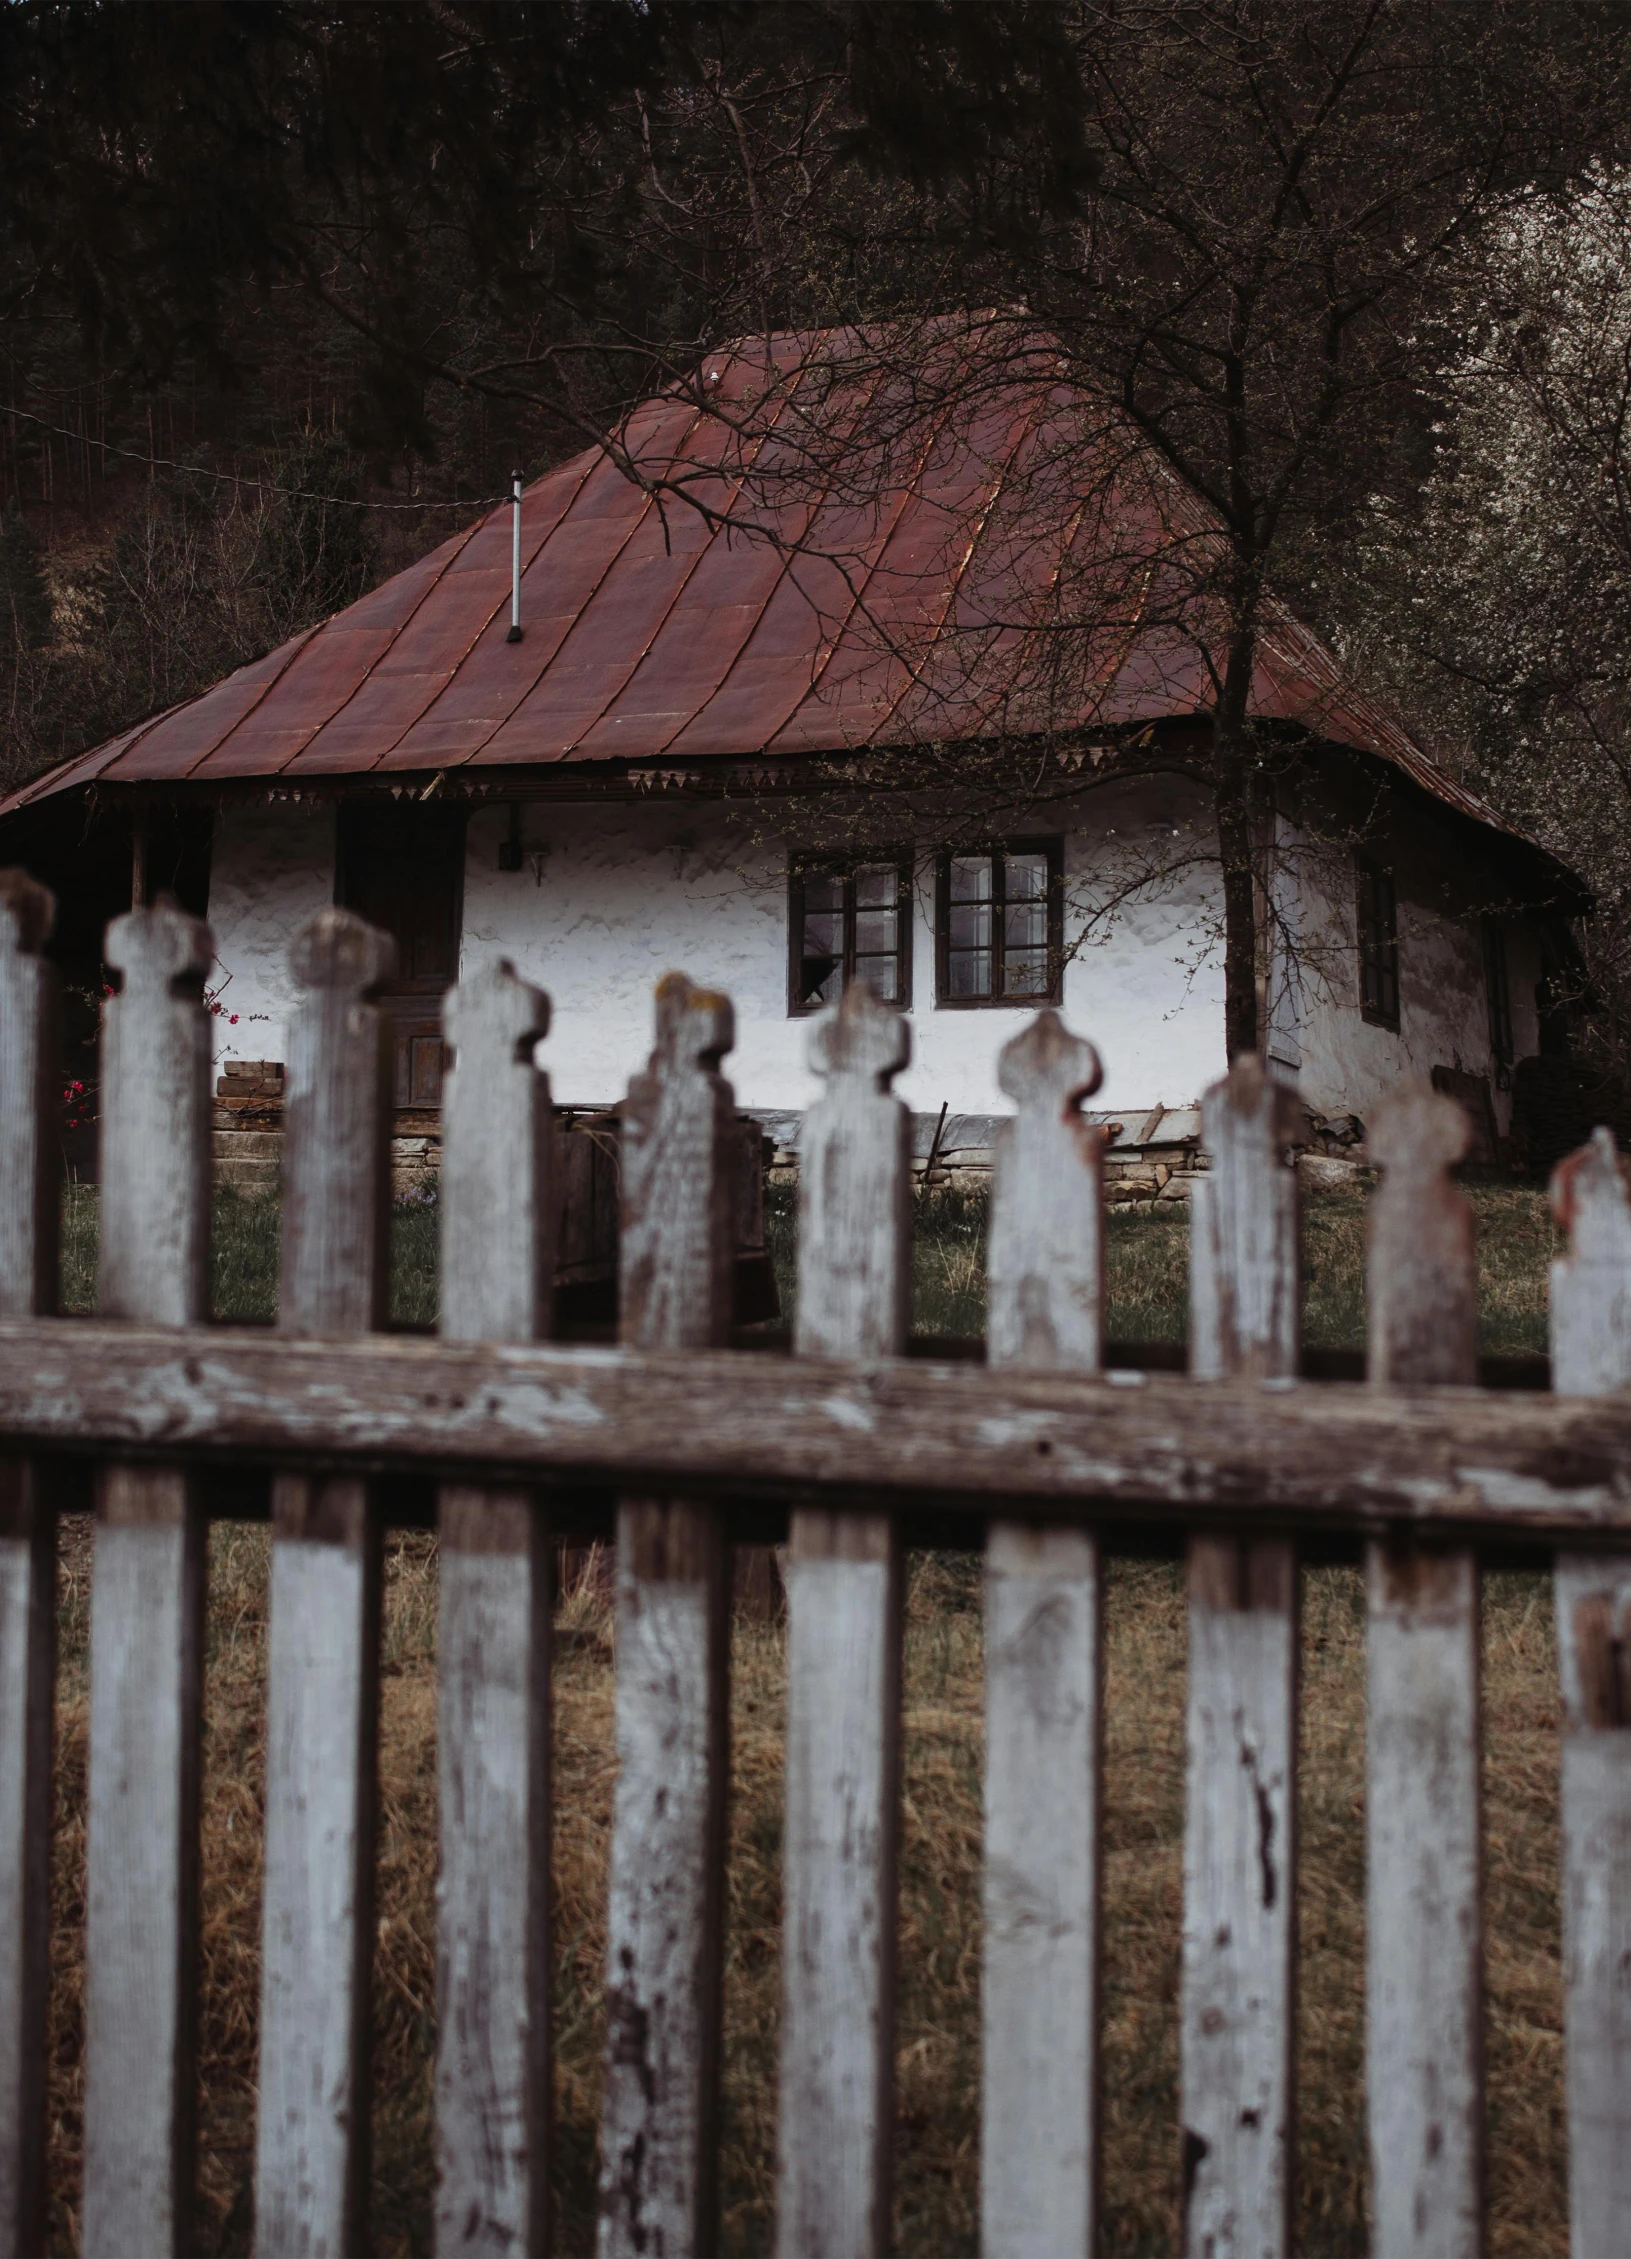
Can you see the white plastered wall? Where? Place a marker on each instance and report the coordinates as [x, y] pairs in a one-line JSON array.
[[1347, 1063], [620, 894], [612, 896], [271, 868]]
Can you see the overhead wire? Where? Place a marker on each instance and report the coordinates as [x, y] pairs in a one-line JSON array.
[[239, 478]]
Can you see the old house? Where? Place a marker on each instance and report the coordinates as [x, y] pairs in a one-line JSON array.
[[785, 721]]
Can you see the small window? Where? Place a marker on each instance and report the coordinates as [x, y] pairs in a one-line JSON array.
[[847, 922], [1378, 946], [1498, 992], [999, 928]]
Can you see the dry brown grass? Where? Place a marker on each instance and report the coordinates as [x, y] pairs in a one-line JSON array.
[[937, 2123], [229, 1976]]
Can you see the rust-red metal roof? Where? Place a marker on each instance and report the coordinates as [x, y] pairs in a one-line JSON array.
[[806, 553]]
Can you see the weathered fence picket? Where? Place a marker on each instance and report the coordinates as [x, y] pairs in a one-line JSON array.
[[1238, 2014], [835, 2115], [659, 2116], [498, 1205], [1037, 1454], [1591, 1354], [322, 1696], [29, 1209], [147, 1616], [1038, 2125], [1424, 1930]]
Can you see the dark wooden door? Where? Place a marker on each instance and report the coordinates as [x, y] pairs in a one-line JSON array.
[[401, 866]]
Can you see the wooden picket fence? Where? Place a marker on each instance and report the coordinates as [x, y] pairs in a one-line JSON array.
[[1039, 1452]]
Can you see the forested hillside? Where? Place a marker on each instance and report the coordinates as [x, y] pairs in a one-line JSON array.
[[287, 291]]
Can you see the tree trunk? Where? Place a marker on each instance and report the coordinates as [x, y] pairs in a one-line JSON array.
[[1234, 799]]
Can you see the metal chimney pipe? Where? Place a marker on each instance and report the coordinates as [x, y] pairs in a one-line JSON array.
[[514, 635]]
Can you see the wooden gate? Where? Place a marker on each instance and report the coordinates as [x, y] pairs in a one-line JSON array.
[[1040, 1453]]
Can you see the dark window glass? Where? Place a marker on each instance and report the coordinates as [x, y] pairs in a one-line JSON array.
[[850, 922], [1378, 946], [969, 929], [821, 948], [877, 929], [1498, 992], [1000, 930], [1025, 925]]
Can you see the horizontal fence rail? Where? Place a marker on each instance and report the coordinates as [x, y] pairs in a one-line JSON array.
[[961, 1437], [847, 1447]]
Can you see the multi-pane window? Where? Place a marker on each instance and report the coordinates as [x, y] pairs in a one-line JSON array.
[[1498, 992], [1000, 925], [851, 921], [1378, 945]]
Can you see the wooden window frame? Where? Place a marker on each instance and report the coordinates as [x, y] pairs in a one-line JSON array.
[[803, 867], [1377, 931], [1050, 845]]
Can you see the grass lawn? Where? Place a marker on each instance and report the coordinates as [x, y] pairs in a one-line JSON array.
[[937, 2126]]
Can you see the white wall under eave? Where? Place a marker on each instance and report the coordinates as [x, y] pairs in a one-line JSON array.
[[1347, 1063], [271, 868], [624, 893]]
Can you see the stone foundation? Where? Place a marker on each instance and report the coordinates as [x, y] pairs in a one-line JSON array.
[[1149, 1156], [247, 1132], [247, 1125]]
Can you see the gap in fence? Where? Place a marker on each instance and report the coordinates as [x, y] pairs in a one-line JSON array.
[[938, 2056]]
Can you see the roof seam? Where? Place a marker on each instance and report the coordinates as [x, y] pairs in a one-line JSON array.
[[635, 523], [790, 553], [859, 596], [374, 664], [668, 609]]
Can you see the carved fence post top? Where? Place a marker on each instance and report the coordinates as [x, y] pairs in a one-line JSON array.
[[340, 951], [860, 1036], [1249, 1097], [695, 1026], [1421, 1276], [1048, 1069], [497, 1000], [161, 947], [1590, 1202], [28, 911], [1417, 1131]]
